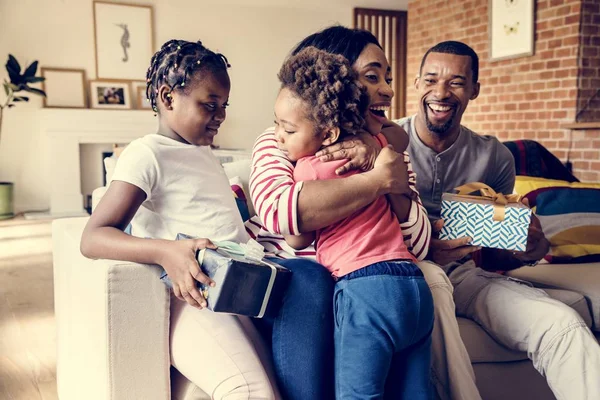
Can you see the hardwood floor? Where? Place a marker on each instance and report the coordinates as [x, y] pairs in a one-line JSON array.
[[27, 327]]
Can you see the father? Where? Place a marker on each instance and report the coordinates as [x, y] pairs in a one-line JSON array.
[[445, 155]]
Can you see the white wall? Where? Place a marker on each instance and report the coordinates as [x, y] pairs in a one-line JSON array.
[[59, 33]]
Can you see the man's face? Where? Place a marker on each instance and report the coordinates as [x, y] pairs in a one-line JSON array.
[[445, 88]]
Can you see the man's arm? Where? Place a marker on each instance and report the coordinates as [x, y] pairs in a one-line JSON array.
[[289, 207]]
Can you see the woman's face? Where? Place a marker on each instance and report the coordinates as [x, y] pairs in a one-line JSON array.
[[374, 73]]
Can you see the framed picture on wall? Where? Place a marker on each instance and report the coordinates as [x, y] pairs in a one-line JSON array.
[[511, 28], [124, 40], [64, 87], [110, 94]]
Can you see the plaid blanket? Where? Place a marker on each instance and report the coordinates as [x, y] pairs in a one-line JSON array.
[[533, 159]]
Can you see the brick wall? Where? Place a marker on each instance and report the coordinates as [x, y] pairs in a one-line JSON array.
[[588, 102], [522, 98]]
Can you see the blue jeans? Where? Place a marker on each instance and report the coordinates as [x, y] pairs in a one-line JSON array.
[[383, 322], [301, 336]]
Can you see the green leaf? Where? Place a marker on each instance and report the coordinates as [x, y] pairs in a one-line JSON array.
[[14, 69], [6, 88], [34, 90], [35, 79], [31, 70], [20, 98], [13, 87]]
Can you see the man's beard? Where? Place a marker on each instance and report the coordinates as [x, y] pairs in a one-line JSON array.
[[440, 130]]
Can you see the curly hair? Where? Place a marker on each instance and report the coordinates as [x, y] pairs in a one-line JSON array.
[[330, 88]]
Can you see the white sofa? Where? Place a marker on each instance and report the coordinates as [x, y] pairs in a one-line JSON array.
[[113, 317]]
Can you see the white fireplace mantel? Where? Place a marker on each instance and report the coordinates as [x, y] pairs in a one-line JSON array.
[[66, 129]]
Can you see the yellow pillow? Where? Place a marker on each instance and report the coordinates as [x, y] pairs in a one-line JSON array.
[[526, 184], [569, 214]]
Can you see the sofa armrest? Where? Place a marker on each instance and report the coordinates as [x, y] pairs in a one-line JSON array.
[[112, 321]]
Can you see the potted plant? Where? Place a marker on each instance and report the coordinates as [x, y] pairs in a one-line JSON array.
[[18, 82]]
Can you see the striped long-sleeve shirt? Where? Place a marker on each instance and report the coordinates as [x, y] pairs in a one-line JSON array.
[[275, 197]]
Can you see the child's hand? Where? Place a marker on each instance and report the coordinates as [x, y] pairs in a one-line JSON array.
[[179, 260]]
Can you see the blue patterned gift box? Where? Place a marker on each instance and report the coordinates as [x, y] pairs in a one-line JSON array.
[[475, 218]]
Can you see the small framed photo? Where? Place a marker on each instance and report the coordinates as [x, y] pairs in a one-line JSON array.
[[64, 87], [142, 101], [124, 40], [110, 94], [135, 87], [512, 24]]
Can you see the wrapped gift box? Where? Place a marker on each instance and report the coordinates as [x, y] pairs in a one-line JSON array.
[[489, 224], [243, 286]]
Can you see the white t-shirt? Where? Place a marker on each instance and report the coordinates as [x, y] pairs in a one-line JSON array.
[[186, 189]]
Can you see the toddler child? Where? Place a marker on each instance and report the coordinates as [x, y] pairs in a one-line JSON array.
[[383, 307]]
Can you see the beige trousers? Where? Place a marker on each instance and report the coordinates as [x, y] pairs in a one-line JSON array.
[[451, 369], [222, 354], [523, 318]]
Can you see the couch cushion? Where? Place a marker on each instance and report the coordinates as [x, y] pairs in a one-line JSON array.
[[581, 278], [569, 213], [241, 169], [483, 348]]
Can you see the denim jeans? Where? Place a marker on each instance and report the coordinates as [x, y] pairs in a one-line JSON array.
[[383, 320], [301, 336]]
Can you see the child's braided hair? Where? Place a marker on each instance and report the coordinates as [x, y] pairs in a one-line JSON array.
[[176, 62], [330, 87]]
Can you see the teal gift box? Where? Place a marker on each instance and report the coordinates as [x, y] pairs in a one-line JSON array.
[[485, 219]]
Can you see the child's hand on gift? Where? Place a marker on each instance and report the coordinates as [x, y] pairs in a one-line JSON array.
[[443, 252], [179, 260]]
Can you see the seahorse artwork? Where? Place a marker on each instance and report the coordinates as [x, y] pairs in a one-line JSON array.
[[124, 41]]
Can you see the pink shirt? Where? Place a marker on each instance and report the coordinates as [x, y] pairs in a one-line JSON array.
[[370, 235]]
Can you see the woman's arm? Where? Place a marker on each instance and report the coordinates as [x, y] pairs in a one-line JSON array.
[[300, 242], [289, 207], [103, 237]]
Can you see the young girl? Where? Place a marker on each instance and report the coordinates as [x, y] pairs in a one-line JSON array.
[[383, 309], [168, 183]]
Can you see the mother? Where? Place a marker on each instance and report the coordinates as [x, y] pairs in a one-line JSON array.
[[287, 207]]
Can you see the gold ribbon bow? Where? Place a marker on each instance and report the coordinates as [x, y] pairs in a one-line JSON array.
[[500, 200]]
